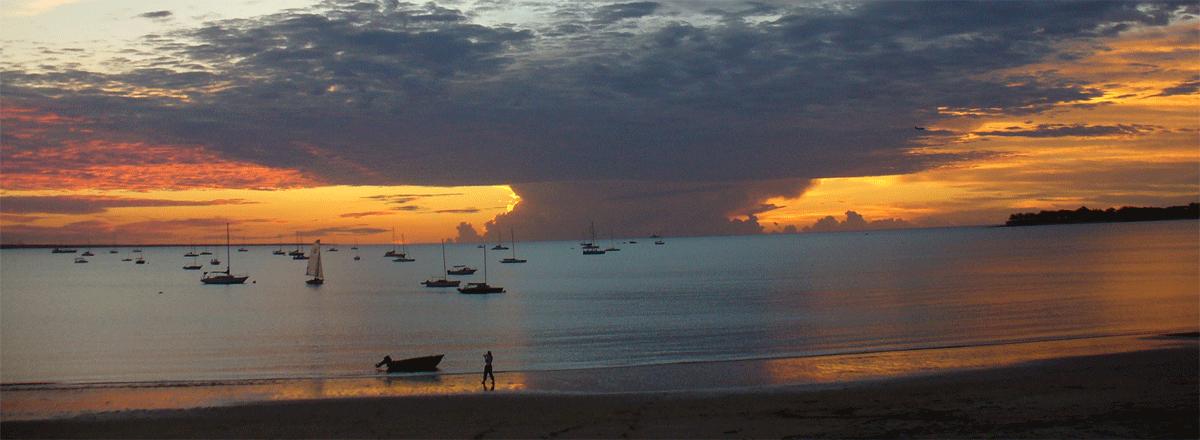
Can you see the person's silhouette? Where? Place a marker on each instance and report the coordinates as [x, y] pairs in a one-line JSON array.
[[487, 368]]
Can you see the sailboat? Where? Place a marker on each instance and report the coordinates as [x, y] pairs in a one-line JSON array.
[[298, 254], [442, 282], [194, 265], [499, 243], [315, 270], [513, 258], [481, 288], [402, 257], [393, 253], [590, 247], [192, 253], [226, 277], [612, 236], [280, 250]]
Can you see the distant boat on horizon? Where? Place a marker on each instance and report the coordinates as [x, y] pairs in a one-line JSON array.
[[590, 247], [402, 257], [613, 242], [393, 253], [499, 243], [513, 258]]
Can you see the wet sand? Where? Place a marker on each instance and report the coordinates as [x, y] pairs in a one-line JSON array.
[[1144, 394]]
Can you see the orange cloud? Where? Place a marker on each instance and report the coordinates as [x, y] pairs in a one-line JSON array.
[[365, 214], [43, 150]]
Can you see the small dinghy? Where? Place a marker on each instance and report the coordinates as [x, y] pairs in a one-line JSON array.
[[411, 365]]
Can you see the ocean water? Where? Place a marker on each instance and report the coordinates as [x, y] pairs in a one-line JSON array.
[[692, 300]]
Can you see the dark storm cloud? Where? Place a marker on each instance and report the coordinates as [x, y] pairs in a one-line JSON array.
[[95, 204], [613, 13], [402, 91], [1082, 130], [1184, 88], [156, 15]]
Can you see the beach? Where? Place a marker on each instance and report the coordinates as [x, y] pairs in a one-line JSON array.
[[1140, 394]]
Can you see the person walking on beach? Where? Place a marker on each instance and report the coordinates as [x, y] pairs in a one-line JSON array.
[[487, 368]]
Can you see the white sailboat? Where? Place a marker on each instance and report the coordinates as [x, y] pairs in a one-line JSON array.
[[315, 270]]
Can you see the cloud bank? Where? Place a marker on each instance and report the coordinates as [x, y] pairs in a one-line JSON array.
[[665, 115]]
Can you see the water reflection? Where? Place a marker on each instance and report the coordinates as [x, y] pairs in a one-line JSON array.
[[40, 401], [35, 401]]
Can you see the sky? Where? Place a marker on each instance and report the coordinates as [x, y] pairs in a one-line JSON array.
[[146, 122]]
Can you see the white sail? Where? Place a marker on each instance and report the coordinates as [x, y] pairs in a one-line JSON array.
[[314, 262]]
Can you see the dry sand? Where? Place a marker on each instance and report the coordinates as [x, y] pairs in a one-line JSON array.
[[1147, 394]]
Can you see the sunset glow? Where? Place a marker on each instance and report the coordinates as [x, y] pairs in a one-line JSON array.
[[348, 135]]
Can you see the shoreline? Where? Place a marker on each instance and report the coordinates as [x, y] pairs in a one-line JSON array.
[[1147, 393], [51, 401]]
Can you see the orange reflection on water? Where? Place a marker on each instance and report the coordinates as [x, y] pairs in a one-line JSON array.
[[37, 402], [918, 362]]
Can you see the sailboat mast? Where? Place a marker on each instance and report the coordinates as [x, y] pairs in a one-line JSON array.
[[228, 259], [444, 271]]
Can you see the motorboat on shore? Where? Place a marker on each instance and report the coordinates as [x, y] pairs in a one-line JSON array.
[[410, 365]]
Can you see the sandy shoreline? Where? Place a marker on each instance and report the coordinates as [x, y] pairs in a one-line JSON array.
[[1144, 394]]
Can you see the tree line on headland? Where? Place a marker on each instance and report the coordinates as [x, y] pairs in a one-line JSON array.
[[1110, 215]]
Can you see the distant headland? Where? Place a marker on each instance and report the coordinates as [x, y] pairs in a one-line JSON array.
[[1110, 215]]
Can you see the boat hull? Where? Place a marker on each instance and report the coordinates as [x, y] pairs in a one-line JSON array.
[[441, 283], [224, 279], [415, 365], [479, 289]]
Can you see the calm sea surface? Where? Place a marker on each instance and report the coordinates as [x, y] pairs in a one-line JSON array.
[[692, 299]]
